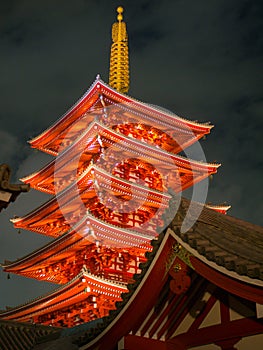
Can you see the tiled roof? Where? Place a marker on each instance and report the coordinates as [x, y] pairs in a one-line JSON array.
[[21, 336], [224, 240]]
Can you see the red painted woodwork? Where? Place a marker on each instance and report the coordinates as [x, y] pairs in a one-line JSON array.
[[138, 308], [65, 260], [228, 344], [231, 285], [83, 299], [165, 314], [133, 342], [101, 145], [224, 308], [181, 281], [219, 333], [202, 315], [182, 309]]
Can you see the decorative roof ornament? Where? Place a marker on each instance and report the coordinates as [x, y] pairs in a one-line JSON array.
[[8, 191], [119, 59]]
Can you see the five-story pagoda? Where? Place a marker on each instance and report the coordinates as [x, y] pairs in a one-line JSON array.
[[115, 161]]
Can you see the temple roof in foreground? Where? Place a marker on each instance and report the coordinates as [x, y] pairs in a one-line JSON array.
[[228, 244], [222, 249]]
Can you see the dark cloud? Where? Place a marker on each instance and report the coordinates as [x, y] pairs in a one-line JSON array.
[[200, 59]]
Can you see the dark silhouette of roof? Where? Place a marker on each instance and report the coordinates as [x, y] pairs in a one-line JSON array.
[[21, 336], [8, 191]]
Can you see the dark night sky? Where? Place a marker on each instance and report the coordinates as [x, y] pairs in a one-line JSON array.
[[200, 59]]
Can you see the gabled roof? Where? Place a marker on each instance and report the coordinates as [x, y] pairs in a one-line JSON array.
[[94, 98]]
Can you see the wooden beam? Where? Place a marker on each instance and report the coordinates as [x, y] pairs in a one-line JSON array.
[[222, 332], [132, 342], [200, 318], [229, 284]]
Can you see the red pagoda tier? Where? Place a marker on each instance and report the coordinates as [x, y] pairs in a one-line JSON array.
[[109, 148], [64, 257], [141, 121], [100, 193], [85, 297]]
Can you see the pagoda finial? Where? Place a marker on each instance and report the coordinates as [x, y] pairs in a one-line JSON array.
[[119, 59], [120, 11]]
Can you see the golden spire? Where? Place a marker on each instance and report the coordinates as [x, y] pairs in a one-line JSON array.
[[119, 59]]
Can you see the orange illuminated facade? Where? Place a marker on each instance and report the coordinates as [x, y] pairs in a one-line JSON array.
[[101, 165], [84, 298], [116, 163]]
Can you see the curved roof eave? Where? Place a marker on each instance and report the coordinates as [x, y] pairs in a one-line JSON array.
[[96, 86]]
